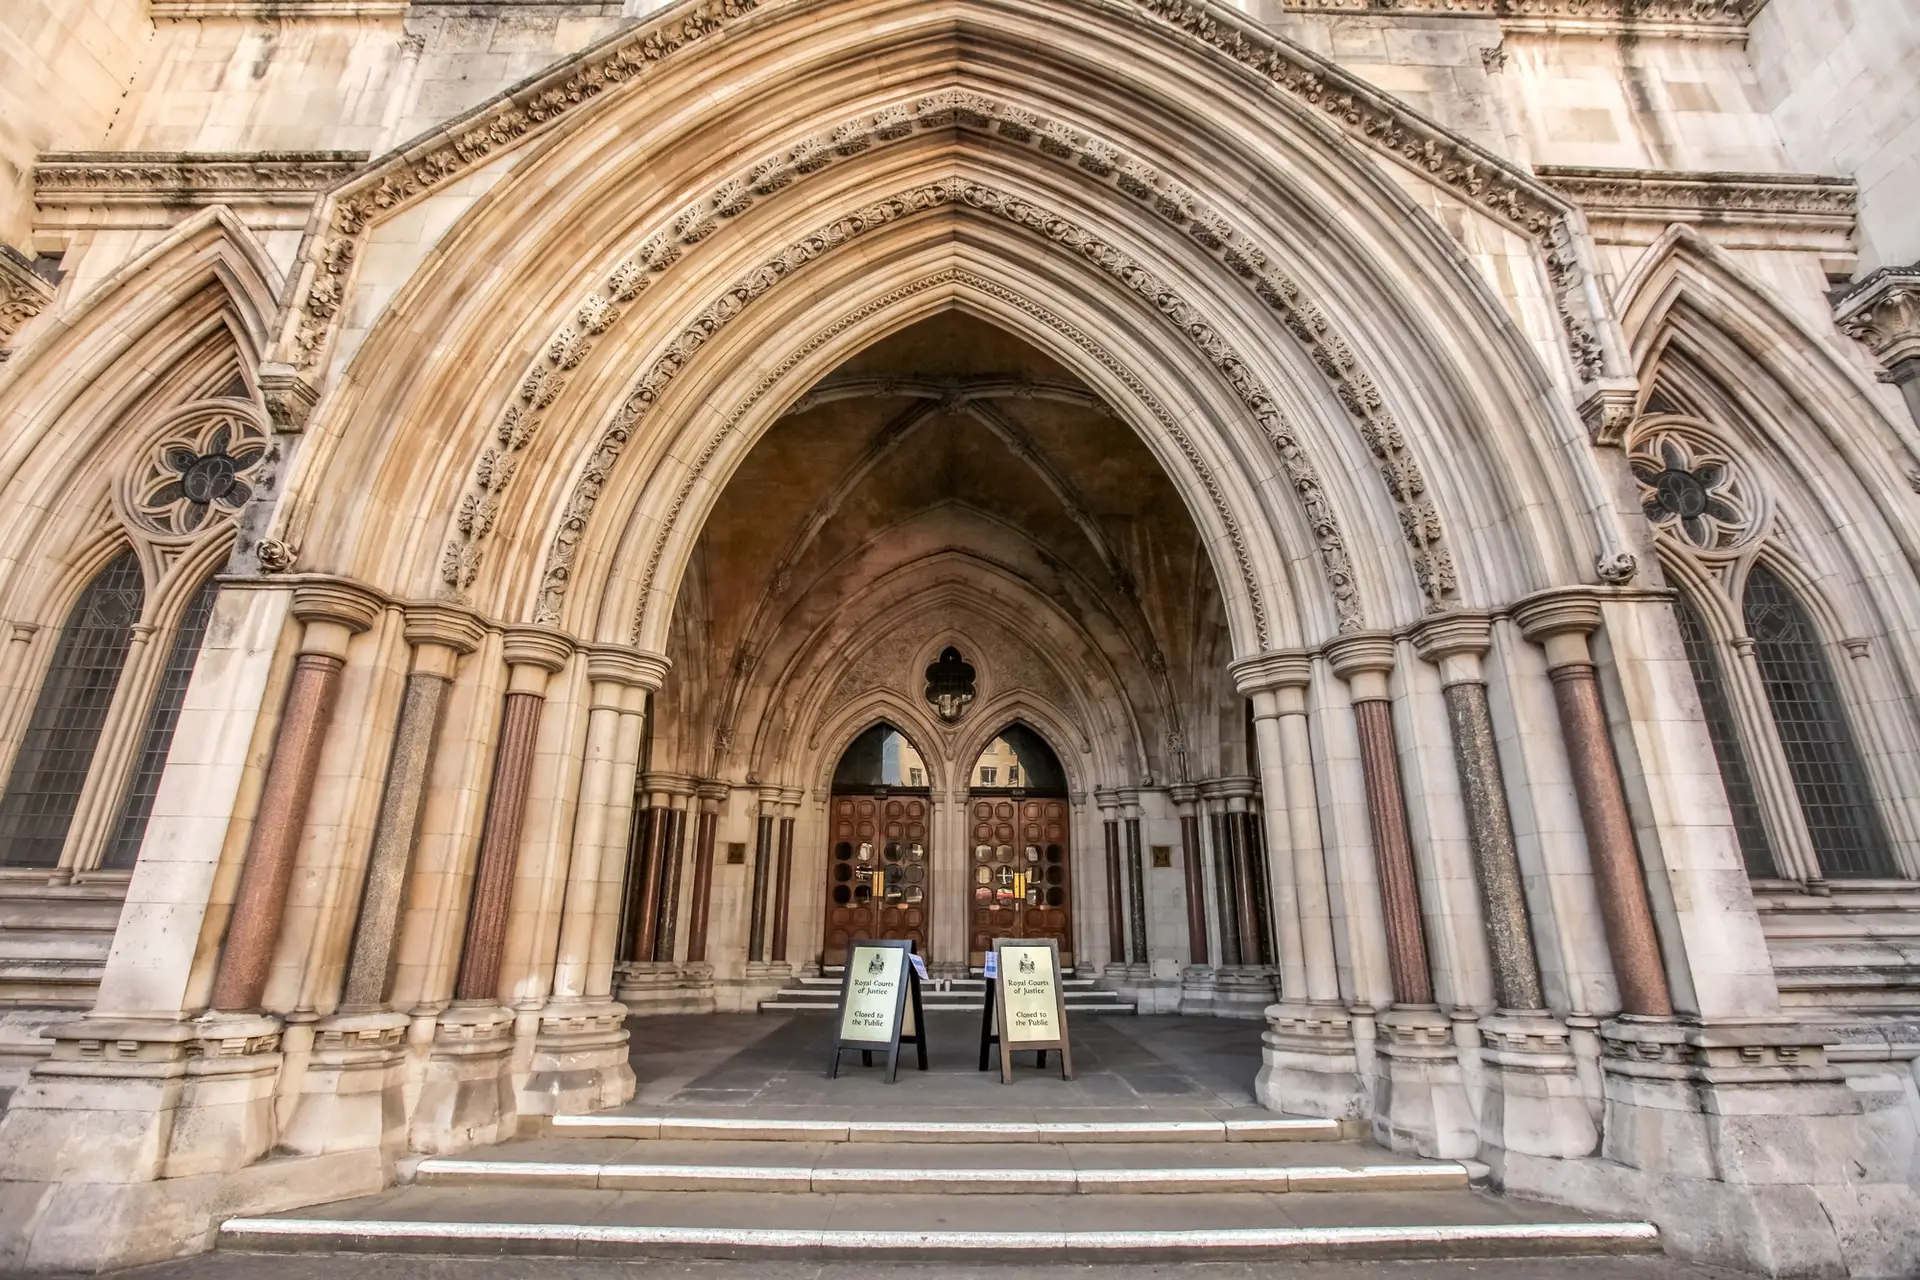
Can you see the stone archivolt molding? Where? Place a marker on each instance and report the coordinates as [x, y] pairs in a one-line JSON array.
[[1665, 196], [1690, 17], [463, 143], [23, 295], [145, 177], [1476, 176], [1180, 208]]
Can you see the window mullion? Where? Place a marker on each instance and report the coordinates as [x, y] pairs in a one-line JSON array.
[[1766, 758], [113, 758]]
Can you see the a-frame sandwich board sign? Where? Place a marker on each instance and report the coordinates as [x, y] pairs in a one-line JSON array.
[[879, 1005], [1026, 1007]]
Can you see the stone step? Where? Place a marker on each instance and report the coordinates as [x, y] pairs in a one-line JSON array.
[[911, 1129], [952, 1169], [865, 1225]]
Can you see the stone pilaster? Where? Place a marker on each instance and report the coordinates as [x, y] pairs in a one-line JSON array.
[[331, 614], [1534, 1102], [466, 1096], [1116, 894], [353, 1084], [1308, 1061], [580, 1060], [1420, 1098], [1561, 622]]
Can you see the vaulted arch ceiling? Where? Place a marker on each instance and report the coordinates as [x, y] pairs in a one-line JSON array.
[[950, 442]]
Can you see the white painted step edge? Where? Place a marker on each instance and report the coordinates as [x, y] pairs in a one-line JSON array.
[[1279, 1238], [906, 1130], [1275, 1178]]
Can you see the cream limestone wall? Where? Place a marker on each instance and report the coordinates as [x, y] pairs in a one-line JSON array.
[[1837, 78], [66, 67]]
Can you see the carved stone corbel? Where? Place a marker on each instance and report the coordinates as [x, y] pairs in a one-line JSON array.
[[1883, 311], [289, 396], [23, 295], [1608, 410]]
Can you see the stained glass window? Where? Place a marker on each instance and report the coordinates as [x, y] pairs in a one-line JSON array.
[[157, 737], [1828, 775], [57, 750], [1725, 738]]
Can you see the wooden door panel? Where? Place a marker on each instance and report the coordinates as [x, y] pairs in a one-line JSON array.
[[877, 841], [1015, 844]]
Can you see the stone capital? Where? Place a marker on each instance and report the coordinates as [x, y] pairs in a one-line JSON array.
[[669, 784], [1364, 660], [634, 667], [1184, 797], [23, 294], [540, 647], [448, 626], [334, 611], [1455, 642], [1561, 620], [1291, 669], [712, 792]]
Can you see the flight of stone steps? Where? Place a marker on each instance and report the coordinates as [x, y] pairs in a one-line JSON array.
[[968, 994], [1246, 1186]]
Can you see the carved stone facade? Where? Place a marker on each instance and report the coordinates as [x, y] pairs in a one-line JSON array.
[[489, 492]]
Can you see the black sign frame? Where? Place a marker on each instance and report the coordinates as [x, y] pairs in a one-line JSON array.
[[909, 991], [993, 1017]]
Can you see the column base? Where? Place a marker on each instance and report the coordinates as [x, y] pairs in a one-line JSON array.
[[1242, 991], [1747, 1149], [1197, 984], [657, 987], [353, 1091], [1309, 1065], [129, 1100], [467, 1096], [86, 1226], [1419, 1098], [579, 1060], [1535, 1104]]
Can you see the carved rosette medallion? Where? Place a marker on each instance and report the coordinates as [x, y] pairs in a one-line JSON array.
[[200, 469], [1690, 486]]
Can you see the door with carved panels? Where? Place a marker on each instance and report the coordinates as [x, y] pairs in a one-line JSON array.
[[1019, 873], [879, 872]]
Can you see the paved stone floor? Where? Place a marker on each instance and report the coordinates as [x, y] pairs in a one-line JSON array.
[[777, 1064], [229, 1266]]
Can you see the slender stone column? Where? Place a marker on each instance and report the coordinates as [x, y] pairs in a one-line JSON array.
[[533, 655], [1184, 799], [616, 723], [1136, 881], [1364, 661], [675, 855], [1246, 908], [763, 856], [652, 865], [440, 635], [710, 796], [1456, 643], [1561, 622], [783, 877], [1225, 912], [331, 614], [1116, 901]]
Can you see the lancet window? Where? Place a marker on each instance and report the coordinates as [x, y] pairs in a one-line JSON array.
[[1776, 713], [107, 692]]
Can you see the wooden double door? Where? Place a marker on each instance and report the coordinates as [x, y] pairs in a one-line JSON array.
[[1019, 872], [879, 872]]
